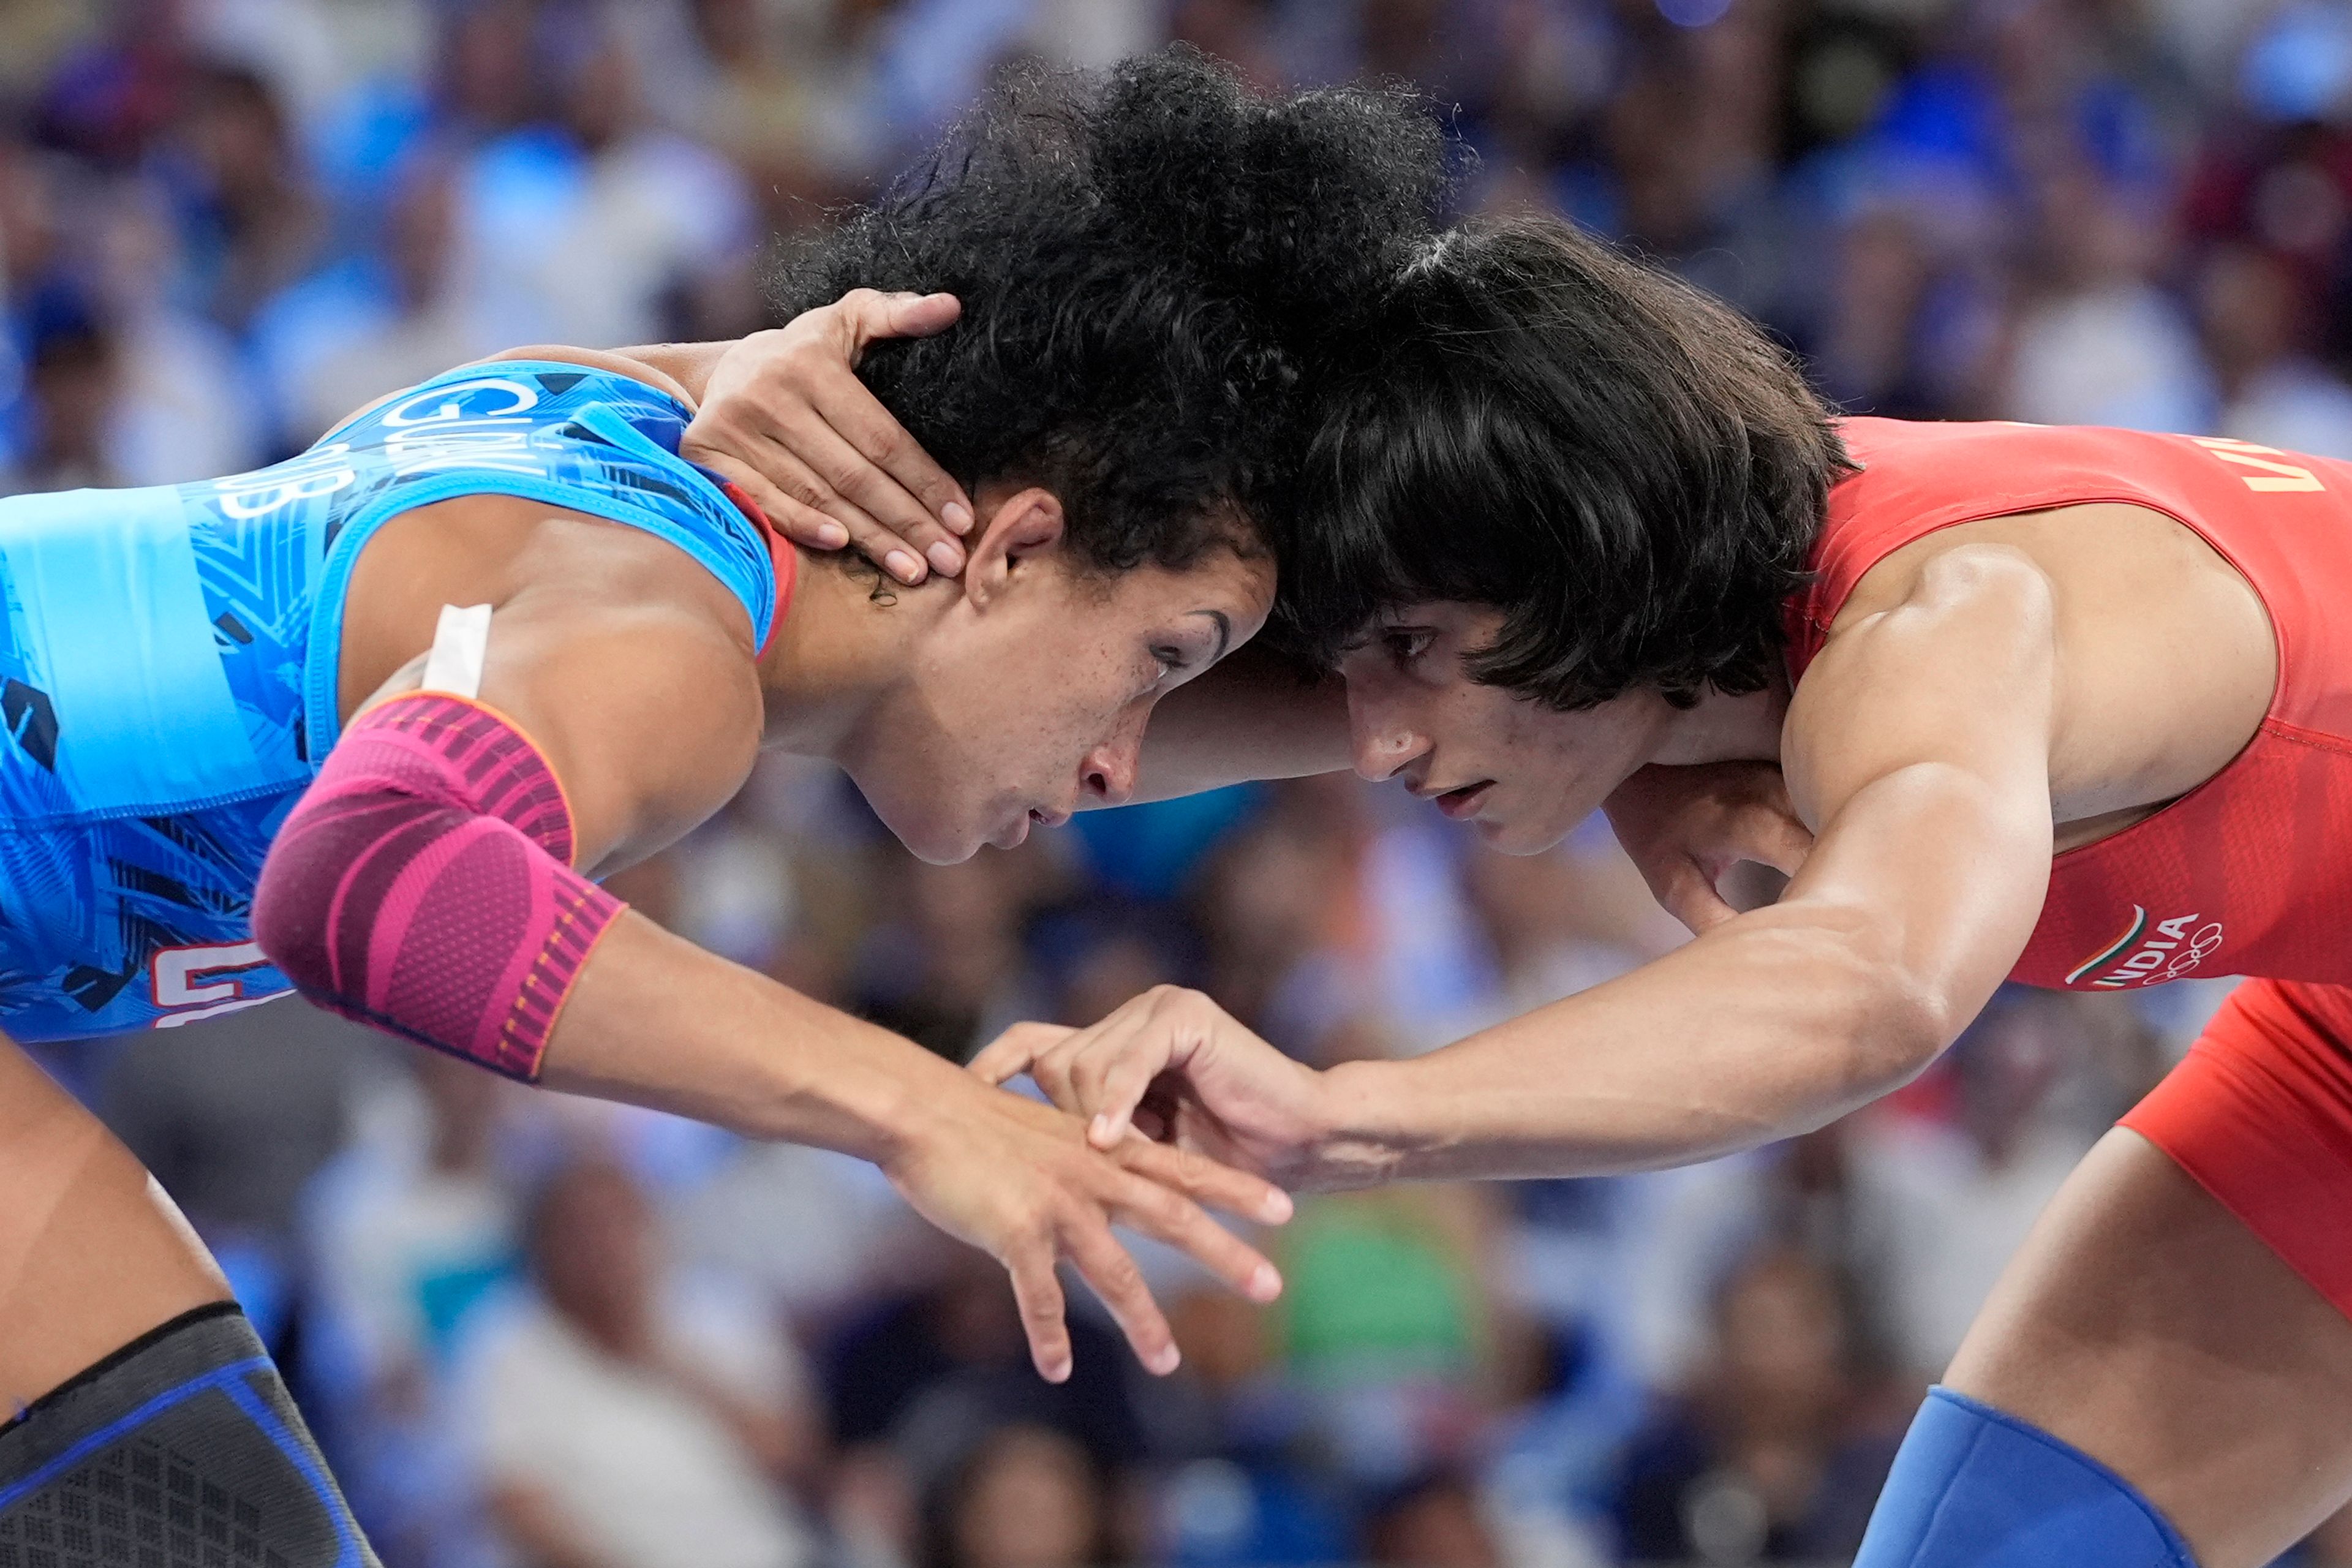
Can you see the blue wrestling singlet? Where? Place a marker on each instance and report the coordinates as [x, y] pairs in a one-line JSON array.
[[169, 658]]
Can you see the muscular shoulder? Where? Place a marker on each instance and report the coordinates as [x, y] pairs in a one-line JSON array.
[[656, 704], [628, 664], [1954, 648], [1956, 571], [2085, 600]]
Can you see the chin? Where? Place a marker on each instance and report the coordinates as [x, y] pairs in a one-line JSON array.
[[940, 849], [929, 839], [943, 843], [1520, 837]]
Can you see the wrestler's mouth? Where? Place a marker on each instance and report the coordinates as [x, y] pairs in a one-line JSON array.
[[1017, 832], [1460, 803]]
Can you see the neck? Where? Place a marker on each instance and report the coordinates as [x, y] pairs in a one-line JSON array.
[[1723, 729], [838, 651]]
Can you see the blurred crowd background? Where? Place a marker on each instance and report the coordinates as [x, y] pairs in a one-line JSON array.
[[549, 1334]]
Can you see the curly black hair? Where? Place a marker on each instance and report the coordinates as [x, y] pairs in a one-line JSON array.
[[1626, 468], [1144, 258]]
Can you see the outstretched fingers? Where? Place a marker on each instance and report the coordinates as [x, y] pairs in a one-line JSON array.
[[880, 515], [1237, 1193], [1160, 1213], [786, 418], [1110, 1269], [1038, 1294], [796, 520]]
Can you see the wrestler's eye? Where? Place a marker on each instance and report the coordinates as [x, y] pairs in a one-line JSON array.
[[1170, 661], [1405, 645]]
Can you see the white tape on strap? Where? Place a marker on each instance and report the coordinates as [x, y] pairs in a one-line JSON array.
[[460, 643]]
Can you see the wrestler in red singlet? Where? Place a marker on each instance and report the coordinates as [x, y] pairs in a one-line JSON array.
[[2249, 873]]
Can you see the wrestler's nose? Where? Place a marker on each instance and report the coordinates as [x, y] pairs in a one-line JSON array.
[[1381, 736]]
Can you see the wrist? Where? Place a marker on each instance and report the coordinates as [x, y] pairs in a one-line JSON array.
[[1361, 1134], [842, 1083], [884, 1102]]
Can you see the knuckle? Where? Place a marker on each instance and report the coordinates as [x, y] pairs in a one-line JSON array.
[[1189, 1168], [805, 490], [1163, 1207], [843, 473]]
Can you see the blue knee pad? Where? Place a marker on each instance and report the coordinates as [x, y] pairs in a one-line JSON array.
[[1973, 1487]]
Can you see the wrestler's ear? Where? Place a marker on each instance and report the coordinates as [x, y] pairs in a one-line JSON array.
[[1013, 533]]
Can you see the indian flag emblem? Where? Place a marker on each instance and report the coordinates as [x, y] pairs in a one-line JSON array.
[[2115, 948]]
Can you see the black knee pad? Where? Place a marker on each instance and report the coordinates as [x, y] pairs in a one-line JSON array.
[[183, 1449]]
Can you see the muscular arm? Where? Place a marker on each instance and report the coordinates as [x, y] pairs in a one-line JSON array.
[[1918, 744], [625, 675]]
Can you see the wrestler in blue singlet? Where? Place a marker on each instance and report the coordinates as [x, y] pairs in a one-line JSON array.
[[168, 669]]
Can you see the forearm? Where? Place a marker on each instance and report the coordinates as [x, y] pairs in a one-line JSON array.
[[1254, 716], [1769, 1027], [654, 1020]]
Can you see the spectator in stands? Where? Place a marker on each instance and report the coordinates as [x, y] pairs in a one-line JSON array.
[[931, 1369], [254, 225], [1774, 1451], [1432, 1521], [2260, 323], [1025, 1497], [217, 239], [1944, 1200], [621, 1418], [72, 376]]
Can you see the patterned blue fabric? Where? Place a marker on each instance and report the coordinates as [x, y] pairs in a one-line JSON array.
[[169, 661]]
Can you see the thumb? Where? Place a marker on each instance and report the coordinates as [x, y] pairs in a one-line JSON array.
[[1782, 843], [1688, 894], [1124, 1086], [1010, 1053], [920, 315], [864, 315]]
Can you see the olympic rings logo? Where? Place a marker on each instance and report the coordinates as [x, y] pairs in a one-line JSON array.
[[2201, 944]]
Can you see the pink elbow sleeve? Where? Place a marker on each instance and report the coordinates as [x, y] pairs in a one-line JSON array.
[[423, 884]]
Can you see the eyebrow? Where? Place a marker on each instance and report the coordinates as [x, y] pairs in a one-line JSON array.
[[1224, 631]]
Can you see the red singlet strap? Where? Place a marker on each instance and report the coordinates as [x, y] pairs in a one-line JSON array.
[[780, 550]]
